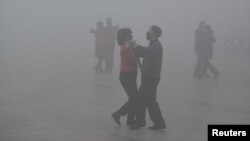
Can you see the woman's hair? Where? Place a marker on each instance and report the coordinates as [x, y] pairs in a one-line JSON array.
[[123, 35], [99, 24]]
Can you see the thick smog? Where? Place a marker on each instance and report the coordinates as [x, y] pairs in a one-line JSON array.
[[113, 70]]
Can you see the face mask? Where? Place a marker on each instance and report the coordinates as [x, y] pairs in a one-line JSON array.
[[148, 36]]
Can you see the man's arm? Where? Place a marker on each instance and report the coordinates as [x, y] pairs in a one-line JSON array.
[[146, 51]]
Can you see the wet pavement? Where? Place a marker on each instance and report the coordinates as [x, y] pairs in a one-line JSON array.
[[48, 98]]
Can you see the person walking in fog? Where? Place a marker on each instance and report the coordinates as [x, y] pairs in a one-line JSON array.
[[128, 76], [99, 45], [110, 35], [150, 78], [204, 40]]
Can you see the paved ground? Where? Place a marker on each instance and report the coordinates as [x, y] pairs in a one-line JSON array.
[[56, 96]]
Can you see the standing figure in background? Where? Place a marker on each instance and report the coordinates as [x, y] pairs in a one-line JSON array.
[[204, 40], [110, 35], [99, 45], [128, 76]]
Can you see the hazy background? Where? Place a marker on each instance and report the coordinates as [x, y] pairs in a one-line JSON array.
[[49, 90], [46, 30]]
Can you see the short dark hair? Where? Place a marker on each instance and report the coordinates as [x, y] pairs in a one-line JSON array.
[[156, 30], [123, 35]]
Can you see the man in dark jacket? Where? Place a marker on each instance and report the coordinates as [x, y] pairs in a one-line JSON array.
[[204, 40], [150, 78]]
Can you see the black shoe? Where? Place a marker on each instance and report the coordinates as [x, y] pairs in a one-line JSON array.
[[116, 117], [157, 127], [136, 126]]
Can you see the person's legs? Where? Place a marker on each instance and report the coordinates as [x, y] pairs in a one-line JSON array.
[[106, 62], [156, 115], [132, 94], [140, 105], [128, 81], [204, 69], [153, 106], [98, 66], [198, 66], [211, 67]]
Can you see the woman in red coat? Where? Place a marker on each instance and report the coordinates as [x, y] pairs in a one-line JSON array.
[[128, 76]]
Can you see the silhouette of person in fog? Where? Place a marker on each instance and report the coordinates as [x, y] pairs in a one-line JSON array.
[[204, 40], [150, 78], [99, 45], [128, 76], [110, 35]]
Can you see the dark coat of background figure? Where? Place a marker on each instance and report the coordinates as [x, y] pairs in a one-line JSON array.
[[204, 40]]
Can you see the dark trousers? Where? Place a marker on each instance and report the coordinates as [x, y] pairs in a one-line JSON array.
[[198, 68], [201, 67], [146, 99], [207, 65], [128, 82]]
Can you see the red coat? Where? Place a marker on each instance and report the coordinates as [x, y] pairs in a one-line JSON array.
[[128, 59]]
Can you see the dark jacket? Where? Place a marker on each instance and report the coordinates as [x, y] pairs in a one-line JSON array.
[[152, 59], [204, 44]]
